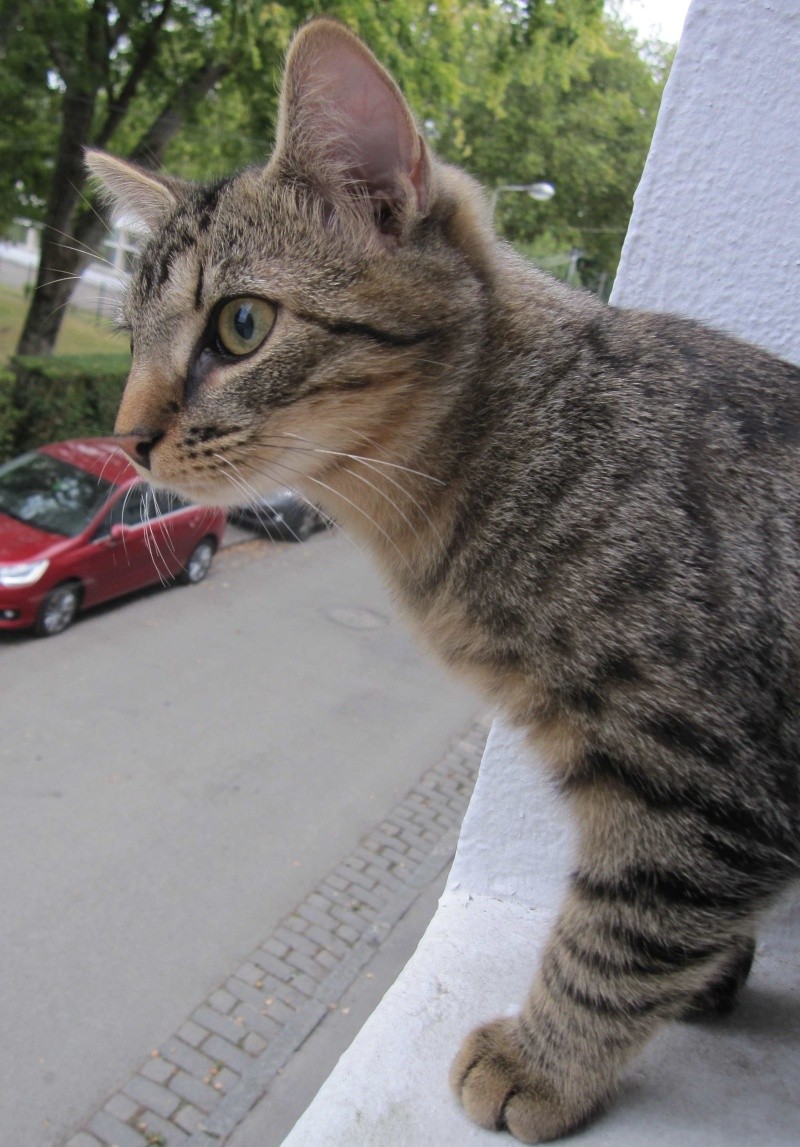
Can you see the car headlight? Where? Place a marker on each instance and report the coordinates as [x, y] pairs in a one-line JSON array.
[[22, 573]]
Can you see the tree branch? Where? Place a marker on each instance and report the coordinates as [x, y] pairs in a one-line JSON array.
[[118, 105]]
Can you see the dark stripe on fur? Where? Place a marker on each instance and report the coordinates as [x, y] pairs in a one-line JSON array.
[[558, 982], [366, 330], [649, 887]]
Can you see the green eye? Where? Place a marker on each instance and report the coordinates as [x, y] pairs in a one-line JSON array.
[[243, 324]]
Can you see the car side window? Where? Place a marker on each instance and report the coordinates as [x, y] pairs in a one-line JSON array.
[[161, 502], [126, 511]]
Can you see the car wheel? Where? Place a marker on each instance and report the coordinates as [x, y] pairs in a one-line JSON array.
[[57, 611], [199, 563]]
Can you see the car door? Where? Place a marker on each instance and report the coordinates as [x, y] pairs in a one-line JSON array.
[[123, 552], [175, 527]]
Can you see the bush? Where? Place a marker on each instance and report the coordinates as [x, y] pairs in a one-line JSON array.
[[60, 396]]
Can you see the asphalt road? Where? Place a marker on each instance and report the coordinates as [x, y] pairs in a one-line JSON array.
[[176, 772]]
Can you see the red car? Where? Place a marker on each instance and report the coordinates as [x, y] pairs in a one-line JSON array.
[[78, 527]]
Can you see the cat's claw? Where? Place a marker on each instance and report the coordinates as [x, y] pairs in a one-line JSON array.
[[499, 1090]]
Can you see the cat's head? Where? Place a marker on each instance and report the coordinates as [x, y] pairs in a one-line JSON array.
[[325, 305]]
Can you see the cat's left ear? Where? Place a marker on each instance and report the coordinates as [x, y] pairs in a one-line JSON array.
[[344, 124], [142, 195]]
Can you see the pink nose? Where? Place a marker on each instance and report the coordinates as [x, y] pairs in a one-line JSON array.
[[138, 446]]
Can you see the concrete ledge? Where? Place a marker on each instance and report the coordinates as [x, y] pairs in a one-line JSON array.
[[730, 1083]]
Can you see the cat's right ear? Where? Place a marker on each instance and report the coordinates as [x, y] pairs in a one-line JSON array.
[[133, 192], [344, 126]]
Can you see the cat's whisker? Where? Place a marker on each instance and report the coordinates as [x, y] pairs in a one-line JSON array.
[[250, 492], [148, 525], [91, 207], [358, 457], [168, 539], [80, 248], [349, 502], [378, 490]]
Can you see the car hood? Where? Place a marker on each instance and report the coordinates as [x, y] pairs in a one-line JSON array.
[[20, 542]]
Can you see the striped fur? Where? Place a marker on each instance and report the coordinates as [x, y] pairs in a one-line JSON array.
[[591, 514]]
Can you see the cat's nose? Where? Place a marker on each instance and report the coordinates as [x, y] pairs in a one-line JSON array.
[[139, 445]]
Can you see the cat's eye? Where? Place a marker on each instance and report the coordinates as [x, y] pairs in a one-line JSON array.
[[243, 324]]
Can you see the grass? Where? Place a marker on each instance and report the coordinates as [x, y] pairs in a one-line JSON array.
[[81, 332]]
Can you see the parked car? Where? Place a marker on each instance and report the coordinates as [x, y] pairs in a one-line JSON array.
[[280, 515], [79, 527]]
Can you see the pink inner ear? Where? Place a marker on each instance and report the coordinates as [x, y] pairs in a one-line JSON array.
[[367, 128]]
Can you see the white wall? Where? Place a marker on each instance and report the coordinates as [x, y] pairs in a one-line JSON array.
[[715, 231]]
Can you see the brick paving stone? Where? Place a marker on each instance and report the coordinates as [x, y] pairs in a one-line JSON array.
[[296, 923], [278, 1011], [151, 1095], [188, 1118], [254, 1044], [83, 1140], [192, 1033], [277, 968], [315, 900], [304, 984], [191, 1060], [262, 1022], [327, 960], [247, 994], [376, 900], [396, 857], [303, 964], [112, 1133], [171, 1136], [275, 945], [348, 933], [221, 1001], [195, 1091], [157, 1069], [336, 881], [223, 1052], [249, 973], [354, 877], [225, 1026], [226, 1079], [121, 1107], [327, 943], [313, 915], [303, 943]]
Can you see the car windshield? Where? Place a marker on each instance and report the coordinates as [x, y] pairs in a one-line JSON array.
[[52, 495]]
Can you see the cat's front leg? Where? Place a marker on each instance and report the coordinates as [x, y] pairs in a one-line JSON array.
[[621, 960]]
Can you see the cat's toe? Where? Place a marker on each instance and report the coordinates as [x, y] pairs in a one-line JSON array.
[[501, 1089]]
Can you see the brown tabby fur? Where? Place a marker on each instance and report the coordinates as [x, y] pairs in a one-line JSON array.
[[591, 513]]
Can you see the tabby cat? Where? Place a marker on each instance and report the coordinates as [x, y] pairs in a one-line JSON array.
[[594, 514]]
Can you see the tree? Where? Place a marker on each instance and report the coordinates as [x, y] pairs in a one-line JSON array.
[[126, 76], [575, 103], [515, 91]]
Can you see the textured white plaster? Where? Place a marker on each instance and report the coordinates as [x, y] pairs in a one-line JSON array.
[[715, 230], [733, 1083], [715, 235]]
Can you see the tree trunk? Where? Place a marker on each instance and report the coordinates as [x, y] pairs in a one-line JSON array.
[[56, 260], [59, 265]]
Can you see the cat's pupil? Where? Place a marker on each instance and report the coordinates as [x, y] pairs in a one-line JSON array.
[[244, 323]]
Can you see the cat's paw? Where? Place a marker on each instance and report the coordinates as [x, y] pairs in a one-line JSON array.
[[500, 1088]]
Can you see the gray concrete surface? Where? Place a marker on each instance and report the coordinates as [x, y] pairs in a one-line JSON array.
[[177, 772]]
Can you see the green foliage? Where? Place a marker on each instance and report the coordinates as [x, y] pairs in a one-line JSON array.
[[514, 90], [8, 414], [59, 396]]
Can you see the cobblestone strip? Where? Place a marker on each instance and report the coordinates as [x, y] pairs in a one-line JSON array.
[[195, 1089]]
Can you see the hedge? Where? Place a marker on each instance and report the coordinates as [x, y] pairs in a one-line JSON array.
[[60, 396]]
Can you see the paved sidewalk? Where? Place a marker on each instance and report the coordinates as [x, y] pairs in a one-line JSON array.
[[196, 1089]]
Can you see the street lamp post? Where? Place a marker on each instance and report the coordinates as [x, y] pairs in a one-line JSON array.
[[541, 191]]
